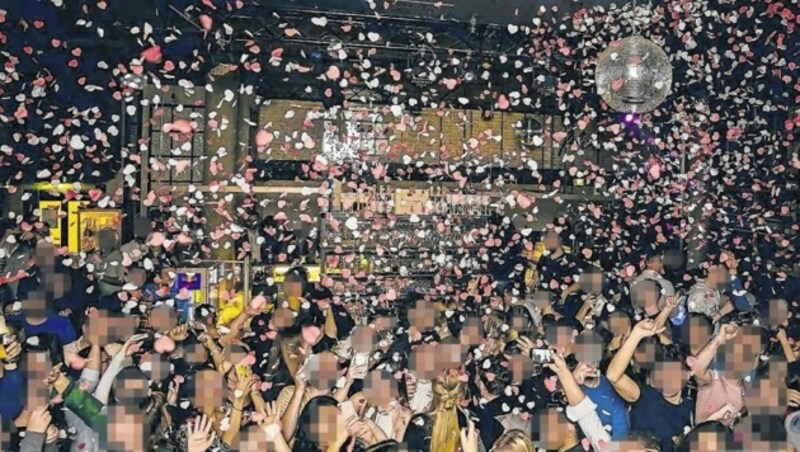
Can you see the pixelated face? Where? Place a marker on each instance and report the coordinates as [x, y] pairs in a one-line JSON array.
[[673, 258], [253, 438], [106, 240], [472, 332], [282, 318], [235, 353], [424, 363], [326, 424], [645, 354], [777, 312], [592, 282], [541, 299], [588, 348], [740, 354], [632, 446], [522, 323], [293, 289], [553, 429], [363, 339], [163, 318], [552, 241], [422, 315], [195, 354], [208, 389], [35, 305], [136, 276], [131, 388], [656, 264], [559, 337], [718, 277], [384, 323], [668, 377], [380, 388], [619, 324], [645, 295], [157, 367], [125, 428], [708, 440], [38, 367], [322, 370], [57, 283], [521, 367], [698, 334], [141, 227], [767, 394], [45, 255]]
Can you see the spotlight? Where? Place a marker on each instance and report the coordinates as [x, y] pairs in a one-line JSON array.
[[629, 117]]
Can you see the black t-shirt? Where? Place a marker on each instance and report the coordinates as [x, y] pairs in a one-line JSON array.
[[654, 414], [558, 273]]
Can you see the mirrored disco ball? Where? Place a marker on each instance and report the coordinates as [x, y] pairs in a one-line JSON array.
[[633, 75]]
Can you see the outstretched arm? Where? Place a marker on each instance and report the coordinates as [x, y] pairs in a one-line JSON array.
[[623, 384]]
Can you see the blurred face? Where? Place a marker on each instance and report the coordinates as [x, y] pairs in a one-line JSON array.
[[131, 389], [559, 338], [656, 264], [698, 333], [667, 377], [778, 312], [35, 306], [645, 295], [645, 354], [125, 428], [554, 428], [208, 389], [380, 389], [592, 282], [741, 353], [619, 324], [106, 239], [589, 348], [326, 424], [422, 315], [552, 241], [717, 277]]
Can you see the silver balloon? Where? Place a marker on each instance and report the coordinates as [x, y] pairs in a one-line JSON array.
[[633, 75]]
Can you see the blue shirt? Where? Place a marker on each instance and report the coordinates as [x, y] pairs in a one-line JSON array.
[[611, 408], [11, 388], [56, 325]]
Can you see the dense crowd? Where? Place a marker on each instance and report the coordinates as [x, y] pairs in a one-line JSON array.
[[103, 351], [660, 316]]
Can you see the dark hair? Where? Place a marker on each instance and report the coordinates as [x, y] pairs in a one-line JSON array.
[[706, 427], [309, 415], [647, 439], [502, 376]]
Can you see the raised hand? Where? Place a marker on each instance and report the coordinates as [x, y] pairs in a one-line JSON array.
[[271, 423], [646, 328], [728, 332], [40, 420], [469, 437], [179, 333], [200, 434]]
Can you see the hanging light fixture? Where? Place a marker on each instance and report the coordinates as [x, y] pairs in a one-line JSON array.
[[633, 74]]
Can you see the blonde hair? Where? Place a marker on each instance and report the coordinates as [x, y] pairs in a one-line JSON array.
[[448, 391], [514, 440]]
